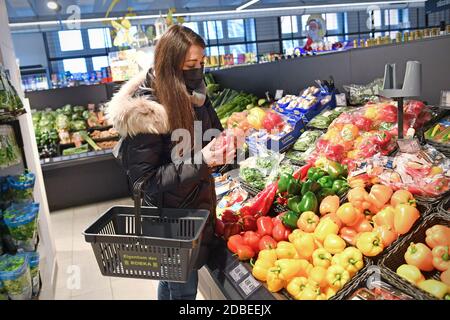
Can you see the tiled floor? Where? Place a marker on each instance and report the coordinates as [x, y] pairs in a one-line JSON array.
[[78, 276]]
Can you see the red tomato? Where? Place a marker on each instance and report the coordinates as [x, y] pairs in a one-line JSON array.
[[264, 226], [280, 232], [252, 240], [234, 242], [267, 242]]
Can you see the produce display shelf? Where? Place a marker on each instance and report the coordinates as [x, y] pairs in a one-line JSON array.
[[112, 138], [82, 158], [10, 115], [101, 128]]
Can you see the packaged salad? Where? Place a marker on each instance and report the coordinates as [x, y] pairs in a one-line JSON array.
[[21, 187], [21, 222], [34, 271], [15, 275]]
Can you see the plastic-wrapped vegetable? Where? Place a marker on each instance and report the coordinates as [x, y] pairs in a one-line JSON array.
[[253, 176], [360, 94], [307, 139], [15, 275], [21, 187], [62, 122], [324, 119], [34, 271], [21, 222], [3, 293], [78, 125]]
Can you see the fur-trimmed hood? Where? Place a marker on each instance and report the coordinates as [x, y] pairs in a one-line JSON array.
[[132, 114]]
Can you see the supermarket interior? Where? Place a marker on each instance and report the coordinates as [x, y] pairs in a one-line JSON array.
[[336, 114]]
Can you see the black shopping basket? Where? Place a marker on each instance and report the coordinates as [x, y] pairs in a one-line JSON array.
[[146, 242]]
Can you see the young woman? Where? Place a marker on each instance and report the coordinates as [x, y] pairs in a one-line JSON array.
[[147, 110]]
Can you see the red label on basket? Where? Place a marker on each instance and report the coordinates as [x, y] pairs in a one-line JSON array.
[[141, 261]]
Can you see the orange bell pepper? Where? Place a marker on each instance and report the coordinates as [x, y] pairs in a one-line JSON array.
[[349, 235], [308, 221], [348, 214], [329, 204], [419, 255], [385, 217], [386, 233], [441, 258], [403, 197], [404, 218], [445, 277], [359, 198], [437, 235], [363, 225], [380, 195]]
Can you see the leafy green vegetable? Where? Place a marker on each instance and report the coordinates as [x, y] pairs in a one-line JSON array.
[[253, 177], [265, 162], [307, 139]]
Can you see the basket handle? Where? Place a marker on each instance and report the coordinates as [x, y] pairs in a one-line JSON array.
[[138, 195]]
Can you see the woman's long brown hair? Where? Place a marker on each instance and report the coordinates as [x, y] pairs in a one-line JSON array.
[[170, 54]]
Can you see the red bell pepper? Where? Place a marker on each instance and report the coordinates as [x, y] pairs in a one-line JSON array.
[[388, 114], [273, 121], [362, 123], [414, 107], [381, 138], [260, 205], [264, 226], [231, 229], [301, 173], [219, 228], [229, 216], [252, 240], [248, 223]]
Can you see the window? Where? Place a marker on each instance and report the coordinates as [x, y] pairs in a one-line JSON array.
[[290, 45], [75, 65], [70, 40], [100, 62], [237, 49], [376, 18], [304, 21], [332, 21], [213, 29], [192, 25], [332, 39], [289, 24], [391, 17], [236, 28], [215, 51], [99, 38]]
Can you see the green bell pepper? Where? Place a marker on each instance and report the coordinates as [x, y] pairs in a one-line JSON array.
[[309, 203], [290, 218], [283, 182], [315, 173], [336, 170], [340, 187], [310, 185], [323, 193], [326, 182], [293, 203], [294, 187]]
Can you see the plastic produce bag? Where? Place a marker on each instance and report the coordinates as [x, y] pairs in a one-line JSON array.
[[260, 170], [15, 275], [21, 222], [3, 293], [307, 139], [21, 187], [34, 271], [360, 94], [426, 173]]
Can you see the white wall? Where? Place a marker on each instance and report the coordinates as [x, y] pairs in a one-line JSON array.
[[30, 49]]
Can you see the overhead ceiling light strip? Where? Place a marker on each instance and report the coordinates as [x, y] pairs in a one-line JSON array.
[[248, 4], [209, 13]]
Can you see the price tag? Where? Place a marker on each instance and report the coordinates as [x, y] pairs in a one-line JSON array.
[[249, 285], [445, 99], [341, 100], [278, 94], [408, 145], [238, 272]]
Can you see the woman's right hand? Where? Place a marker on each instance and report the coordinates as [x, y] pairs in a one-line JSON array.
[[214, 156]]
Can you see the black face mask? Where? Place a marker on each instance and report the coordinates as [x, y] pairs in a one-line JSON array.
[[193, 78]]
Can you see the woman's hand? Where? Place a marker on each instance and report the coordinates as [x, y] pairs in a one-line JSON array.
[[216, 156]]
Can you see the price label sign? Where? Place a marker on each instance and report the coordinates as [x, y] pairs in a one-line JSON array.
[[238, 272], [341, 100], [249, 285], [278, 94], [445, 99]]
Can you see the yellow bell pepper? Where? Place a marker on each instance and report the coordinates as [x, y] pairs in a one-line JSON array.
[[321, 296], [305, 246], [329, 204], [325, 227], [305, 268], [336, 259], [255, 117], [359, 198], [410, 273], [321, 258], [269, 255], [371, 113], [285, 250], [329, 292], [297, 233], [334, 244], [300, 288], [318, 275], [434, 287], [260, 269], [369, 243], [274, 282], [337, 276], [290, 268], [351, 259], [380, 195], [348, 214]]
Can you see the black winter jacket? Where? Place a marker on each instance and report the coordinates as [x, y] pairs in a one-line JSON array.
[[146, 149]]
